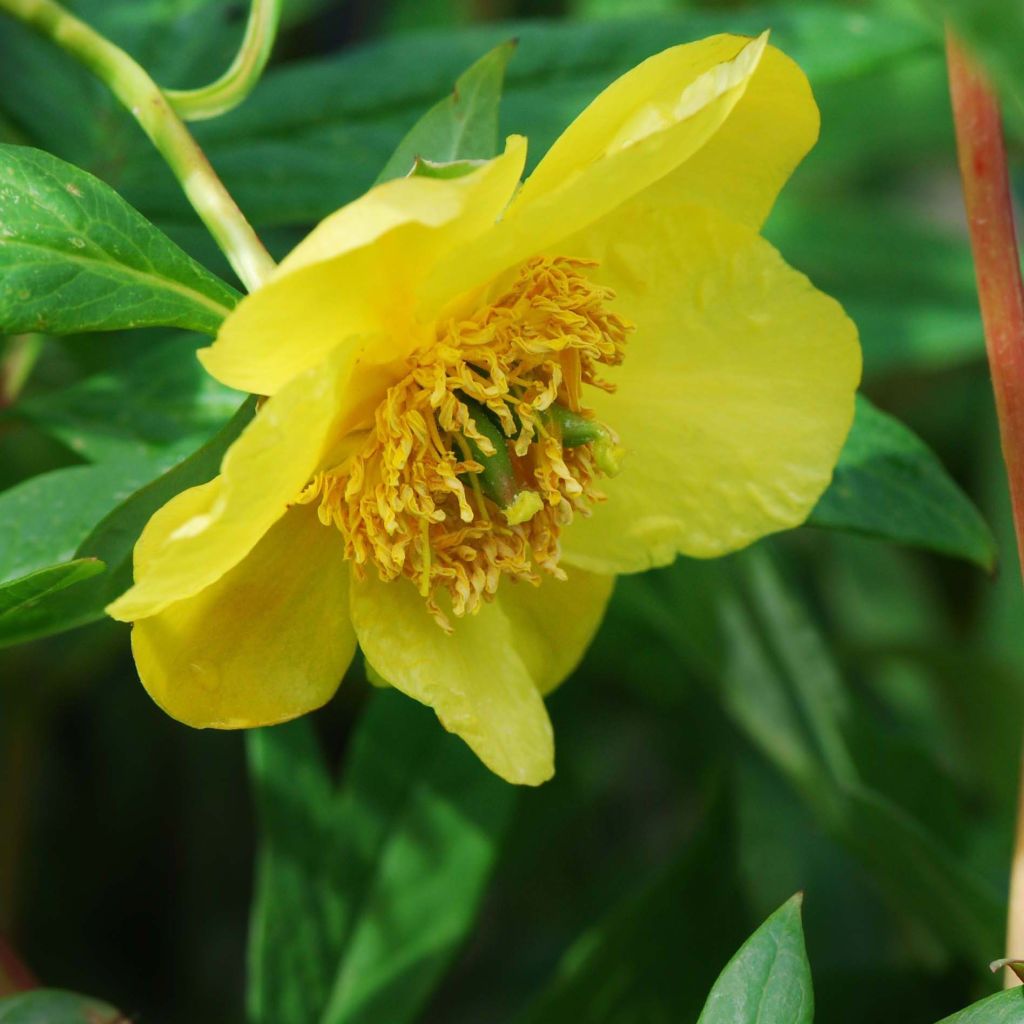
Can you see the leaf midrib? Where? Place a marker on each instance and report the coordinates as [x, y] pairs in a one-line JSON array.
[[109, 268]]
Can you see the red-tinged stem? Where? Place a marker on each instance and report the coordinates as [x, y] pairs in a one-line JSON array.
[[987, 196], [14, 975]]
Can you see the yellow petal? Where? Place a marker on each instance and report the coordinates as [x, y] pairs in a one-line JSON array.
[[553, 624], [743, 166], [268, 641], [735, 396], [475, 680], [202, 533], [358, 272], [644, 125]]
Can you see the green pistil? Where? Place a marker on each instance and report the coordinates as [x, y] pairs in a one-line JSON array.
[[498, 480], [575, 429]]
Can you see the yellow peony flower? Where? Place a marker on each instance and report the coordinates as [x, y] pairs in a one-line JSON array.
[[456, 369]]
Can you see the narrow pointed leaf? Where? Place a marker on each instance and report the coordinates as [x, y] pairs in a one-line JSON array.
[[364, 893], [24, 608], [463, 126]]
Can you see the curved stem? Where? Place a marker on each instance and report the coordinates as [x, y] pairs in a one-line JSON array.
[[987, 196], [239, 80], [149, 106]]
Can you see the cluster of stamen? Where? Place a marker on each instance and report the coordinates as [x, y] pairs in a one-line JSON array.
[[430, 496]]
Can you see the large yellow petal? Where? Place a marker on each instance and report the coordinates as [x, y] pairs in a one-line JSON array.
[[735, 396], [268, 641], [358, 272], [205, 531], [643, 126], [475, 680], [553, 624], [743, 166]]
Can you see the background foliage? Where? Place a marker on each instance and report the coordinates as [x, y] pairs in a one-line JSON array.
[[830, 713]]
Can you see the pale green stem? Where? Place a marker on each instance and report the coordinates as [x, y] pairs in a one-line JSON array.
[[239, 80], [149, 106]]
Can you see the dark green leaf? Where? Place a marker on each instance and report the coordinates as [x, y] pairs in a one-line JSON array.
[[653, 957], [889, 484], [745, 633], [112, 539], [159, 403], [23, 608], [365, 893], [51, 1006], [1004, 1008], [315, 134], [462, 126], [769, 980], [76, 257]]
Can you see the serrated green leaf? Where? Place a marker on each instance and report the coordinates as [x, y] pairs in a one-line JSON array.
[[1004, 1008], [111, 537], [51, 1006], [158, 404], [365, 893], [769, 980], [76, 257], [889, 484], [462, 126]]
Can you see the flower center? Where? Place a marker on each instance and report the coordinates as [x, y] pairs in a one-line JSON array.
[[484, 450]]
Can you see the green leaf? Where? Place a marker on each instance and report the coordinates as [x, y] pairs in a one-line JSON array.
[[48, 516], [1004, 1008], [739, 628], [76, 257], [769, 980], [653, 957], [51, 1006], [315, 133], [365, 893], [158, 404], [23, 609], [889, 484], [907, 284], [112, 538], [462, 126]]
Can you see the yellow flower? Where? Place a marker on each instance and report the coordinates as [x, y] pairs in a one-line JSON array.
[[455, 371]]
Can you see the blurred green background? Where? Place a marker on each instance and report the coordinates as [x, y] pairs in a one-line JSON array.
[[826, 712]]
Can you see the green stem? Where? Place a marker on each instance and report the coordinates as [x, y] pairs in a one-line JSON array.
[[239, 80], [149, 106]]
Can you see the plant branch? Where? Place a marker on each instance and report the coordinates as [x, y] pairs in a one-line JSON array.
[[150, 107], [241, 77], [987, 197]]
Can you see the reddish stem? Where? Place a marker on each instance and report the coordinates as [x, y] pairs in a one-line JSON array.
[[987, 196], [982, 155]]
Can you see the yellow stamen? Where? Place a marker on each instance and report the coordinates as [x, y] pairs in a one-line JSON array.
[[400, 501]]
